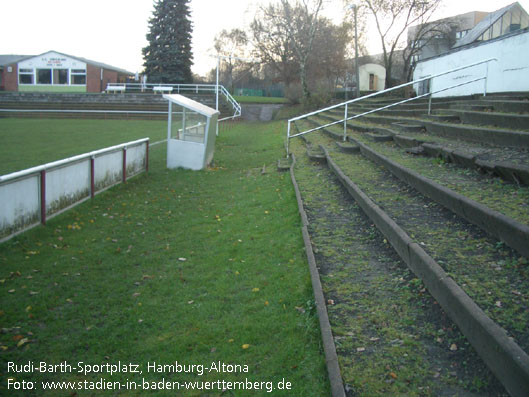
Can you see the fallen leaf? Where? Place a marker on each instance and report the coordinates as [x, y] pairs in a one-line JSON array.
[[360, 349], [393, 375], [245, 346], [255, 290], [22, 342], [453, 347], [330, 301]]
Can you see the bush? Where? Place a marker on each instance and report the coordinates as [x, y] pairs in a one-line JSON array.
[[294, 93], [316, 101]]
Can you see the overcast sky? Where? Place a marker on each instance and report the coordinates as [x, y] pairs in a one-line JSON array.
[[113, 31]]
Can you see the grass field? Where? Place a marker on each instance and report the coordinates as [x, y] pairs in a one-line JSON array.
[[259, 99], [195, 267], [30, 142]]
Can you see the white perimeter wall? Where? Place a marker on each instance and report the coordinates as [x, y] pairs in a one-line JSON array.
[[509, 74], [67, 182]]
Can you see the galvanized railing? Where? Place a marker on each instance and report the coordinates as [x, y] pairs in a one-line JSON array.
[[218, 90], [345, 105]]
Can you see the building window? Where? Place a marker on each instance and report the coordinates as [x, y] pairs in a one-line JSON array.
[[461, 34], [78, 76], [60, 76], [424, 87], [43, 76], [25, 76]]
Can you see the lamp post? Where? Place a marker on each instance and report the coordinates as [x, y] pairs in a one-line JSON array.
[[354, 6]]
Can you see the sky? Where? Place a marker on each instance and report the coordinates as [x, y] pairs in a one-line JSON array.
[[114, 31]]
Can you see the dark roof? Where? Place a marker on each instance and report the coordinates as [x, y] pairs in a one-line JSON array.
[[483, 25], [17, 58], [9, 59]]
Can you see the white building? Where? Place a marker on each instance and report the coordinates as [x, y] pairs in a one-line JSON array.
[[372, 77], [503, 35], [54, 71]]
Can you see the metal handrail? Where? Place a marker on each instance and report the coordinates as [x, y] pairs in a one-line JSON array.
[[345, 104], [236, 106], [197, 88]]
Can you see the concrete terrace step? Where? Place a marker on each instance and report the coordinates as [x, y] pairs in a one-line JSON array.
[[498, 103], [501, 120], [450, 295], [362, 259], [468, 132], [508, 106], [506, 163], [506, 170], [113, 103], [447, 295]]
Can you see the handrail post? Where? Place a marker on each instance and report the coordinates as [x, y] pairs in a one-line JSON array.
[[43, 196], [345, 124], [486, 79], [288, 139], [430, 97]]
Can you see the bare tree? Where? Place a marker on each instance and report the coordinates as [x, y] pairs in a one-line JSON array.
[[272, 44], [230, 43], [284, 35], [392, 18], [424, 35], [301, 25], [327, 61]]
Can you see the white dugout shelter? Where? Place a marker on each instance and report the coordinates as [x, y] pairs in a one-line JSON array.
[[191, 133]]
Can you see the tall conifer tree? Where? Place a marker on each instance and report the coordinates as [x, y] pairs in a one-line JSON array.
[[168, 57]]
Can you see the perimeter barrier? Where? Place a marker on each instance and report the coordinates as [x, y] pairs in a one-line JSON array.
[[32, 196]]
